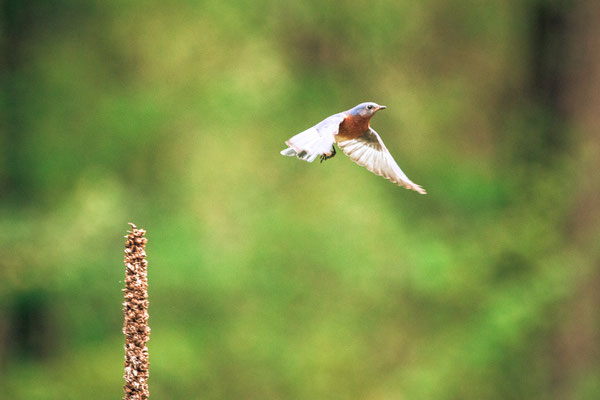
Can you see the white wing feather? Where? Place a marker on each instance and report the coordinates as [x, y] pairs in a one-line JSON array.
[[369, 151], [315, 141]]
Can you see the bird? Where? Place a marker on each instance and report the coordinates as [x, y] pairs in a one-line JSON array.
[[353, 134]]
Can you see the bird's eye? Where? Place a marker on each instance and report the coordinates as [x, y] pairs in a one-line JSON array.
[[370, 107]]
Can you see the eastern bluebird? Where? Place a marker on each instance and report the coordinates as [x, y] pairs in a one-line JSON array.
[[352, 133]]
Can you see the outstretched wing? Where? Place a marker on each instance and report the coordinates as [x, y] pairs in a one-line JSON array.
[[315, 141], [369, 151]]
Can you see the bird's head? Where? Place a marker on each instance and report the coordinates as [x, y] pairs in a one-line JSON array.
[[366, 110]]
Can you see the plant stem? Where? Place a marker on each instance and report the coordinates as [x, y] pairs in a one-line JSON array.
[[135, 308]]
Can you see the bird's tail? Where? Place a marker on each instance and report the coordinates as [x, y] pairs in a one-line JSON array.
[[308, 145], [303, 155], [288, 152]]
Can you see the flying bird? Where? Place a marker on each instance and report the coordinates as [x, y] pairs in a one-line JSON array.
[[351, 131]]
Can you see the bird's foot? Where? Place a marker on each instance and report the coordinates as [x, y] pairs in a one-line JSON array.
[[328, 156]]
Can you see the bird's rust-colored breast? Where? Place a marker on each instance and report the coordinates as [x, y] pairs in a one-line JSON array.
[[351, 128]]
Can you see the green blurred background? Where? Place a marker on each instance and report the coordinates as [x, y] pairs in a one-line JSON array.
[[271, 278]]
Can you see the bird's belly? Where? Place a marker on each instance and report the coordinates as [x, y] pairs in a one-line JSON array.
[[351, 129]]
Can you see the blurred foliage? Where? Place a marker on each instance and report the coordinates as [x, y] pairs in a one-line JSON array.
[[275, 279]]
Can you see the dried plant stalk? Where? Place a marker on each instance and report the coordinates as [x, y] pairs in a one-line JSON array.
[[135, 308]]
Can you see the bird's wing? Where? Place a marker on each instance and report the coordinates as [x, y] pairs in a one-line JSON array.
[[315, 141], [369, 151]]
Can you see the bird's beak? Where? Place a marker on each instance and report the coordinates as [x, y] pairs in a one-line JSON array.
[[381, 108]]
